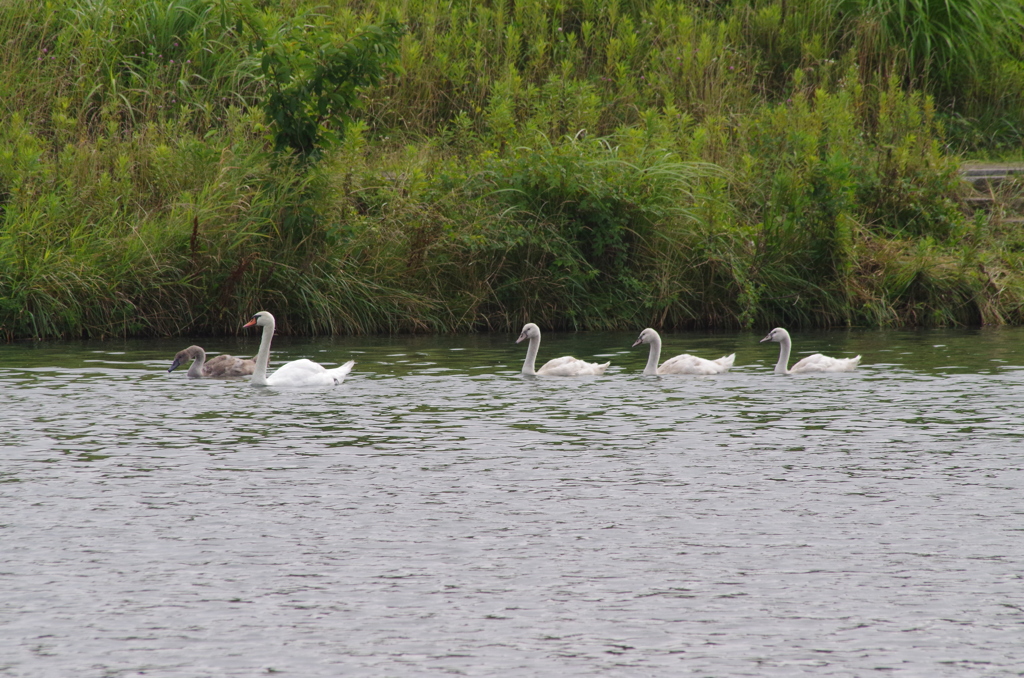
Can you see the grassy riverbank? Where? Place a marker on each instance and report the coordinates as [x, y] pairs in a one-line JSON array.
[[579, 164]]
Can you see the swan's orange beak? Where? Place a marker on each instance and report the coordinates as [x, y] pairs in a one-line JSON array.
[[250, 323]]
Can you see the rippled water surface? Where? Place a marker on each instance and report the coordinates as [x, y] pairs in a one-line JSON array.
[[441, 514]]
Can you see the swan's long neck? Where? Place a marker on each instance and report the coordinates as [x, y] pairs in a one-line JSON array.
[[781, 367], [653, 357], [529, 365], [259, 375], [196, 369]]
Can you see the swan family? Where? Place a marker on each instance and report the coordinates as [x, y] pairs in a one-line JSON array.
[[305, 373], [300, 373]]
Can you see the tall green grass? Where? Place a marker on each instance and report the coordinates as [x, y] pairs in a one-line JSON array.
[[581, 164]]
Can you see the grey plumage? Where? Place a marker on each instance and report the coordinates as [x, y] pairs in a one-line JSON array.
[[222, 365]]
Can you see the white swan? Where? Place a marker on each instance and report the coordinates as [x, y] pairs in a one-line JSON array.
[[812, 363], [222, 365], [302, 372], [681, 364], [559, 367]]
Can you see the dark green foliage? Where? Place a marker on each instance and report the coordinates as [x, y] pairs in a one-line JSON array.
[[590, 215], [315, 79]]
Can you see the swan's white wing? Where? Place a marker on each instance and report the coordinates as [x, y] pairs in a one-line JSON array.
[[726, 362], [822, 363], [305, 372], [691, 364], [567, 366], [593, 368], [225, 365]]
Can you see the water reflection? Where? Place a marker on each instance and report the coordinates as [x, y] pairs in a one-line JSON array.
[[440, 512]]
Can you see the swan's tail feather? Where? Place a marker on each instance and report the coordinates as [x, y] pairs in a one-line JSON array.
[[339, 373], [726, 361]]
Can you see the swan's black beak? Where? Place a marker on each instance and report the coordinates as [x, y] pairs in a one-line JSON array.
[[174, 365]]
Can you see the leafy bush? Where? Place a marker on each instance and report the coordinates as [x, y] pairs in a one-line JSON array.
[[315, 80]]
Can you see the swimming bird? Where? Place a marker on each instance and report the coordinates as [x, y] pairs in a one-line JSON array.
[[681, 364], [566, 366], [222, 365], [812, 363], [297, 373]]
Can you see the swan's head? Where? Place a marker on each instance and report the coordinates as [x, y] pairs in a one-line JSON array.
[[778, 335], [530, 331], [190, 353], [646, 337], [261, 319]]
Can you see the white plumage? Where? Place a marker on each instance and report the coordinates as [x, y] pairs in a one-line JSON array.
[[812, 363], [566, 366], [680, 364], [300, 373]]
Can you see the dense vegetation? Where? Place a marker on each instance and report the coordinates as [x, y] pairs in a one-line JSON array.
[[578, 163]]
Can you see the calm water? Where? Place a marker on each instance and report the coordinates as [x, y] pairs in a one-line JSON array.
[[439, 514]]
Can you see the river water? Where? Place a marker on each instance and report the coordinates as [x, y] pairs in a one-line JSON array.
[[440, 514]]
